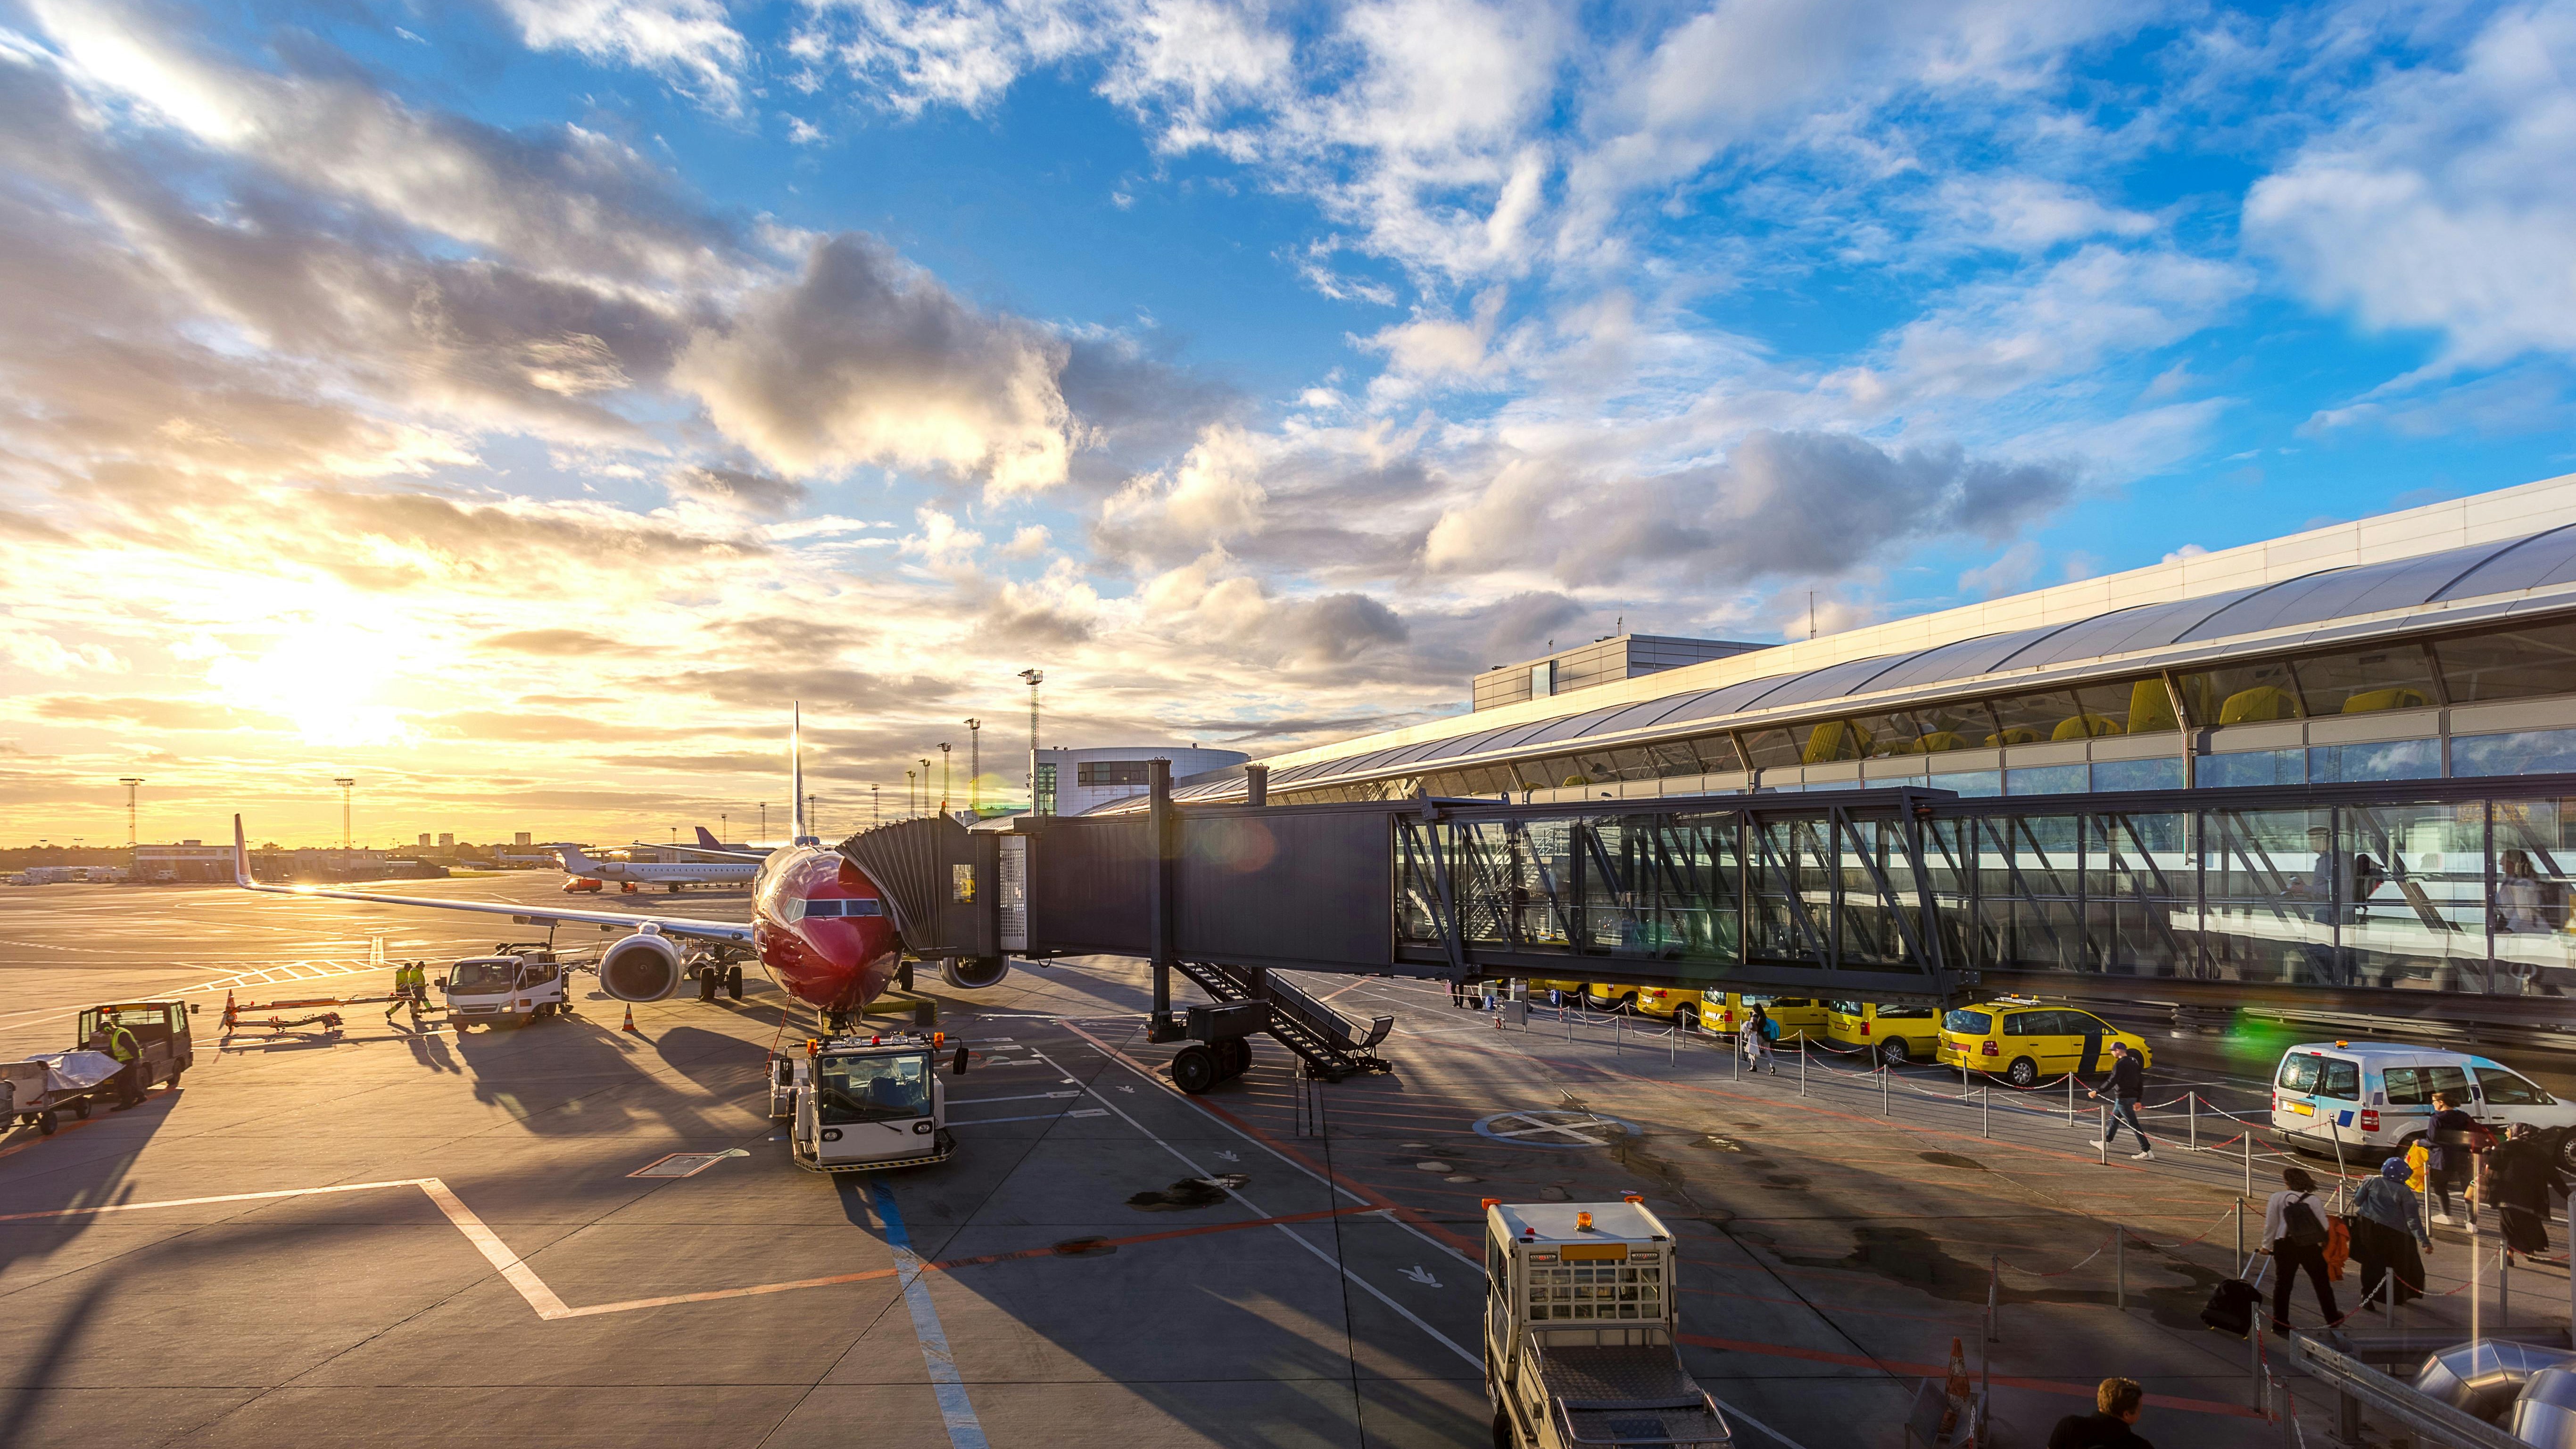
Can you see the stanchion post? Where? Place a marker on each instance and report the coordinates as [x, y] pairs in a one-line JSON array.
[[1994, 1277], [2191, 1105], [1984, 1125], [1618, 1030], [1802, 1064], [1673, 1042], [2240, 1234], [2102, 1138], [2070, 1099], [2249, 1159], [1882, 1089]]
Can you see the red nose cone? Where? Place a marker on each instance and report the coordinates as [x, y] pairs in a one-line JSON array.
[[821, 928]]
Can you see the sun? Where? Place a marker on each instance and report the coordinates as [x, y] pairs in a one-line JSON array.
[[328, 679]]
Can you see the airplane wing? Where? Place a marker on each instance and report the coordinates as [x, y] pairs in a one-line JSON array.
[[680, 926]]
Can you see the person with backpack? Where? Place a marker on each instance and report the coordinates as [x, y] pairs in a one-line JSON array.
[[2454, 1138], [1760, 1031], [2127, 1086], [2294, 1233]]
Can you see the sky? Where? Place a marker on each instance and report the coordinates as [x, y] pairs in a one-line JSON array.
[[514, 406]]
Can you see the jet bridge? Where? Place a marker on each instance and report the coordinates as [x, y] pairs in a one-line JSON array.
[[2429, 900]]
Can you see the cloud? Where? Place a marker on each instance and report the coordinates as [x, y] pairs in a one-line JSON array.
[[552, 643], [1815, 503], [753, 493], [2445, 199], [2008, 572], [867, 359], [150, 714], [687, 42]]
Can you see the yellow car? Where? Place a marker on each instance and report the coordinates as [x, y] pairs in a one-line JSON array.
[[1607, 996], [1894, 1033], [1678, 1004], [2023, 1041], [1800, 1017]]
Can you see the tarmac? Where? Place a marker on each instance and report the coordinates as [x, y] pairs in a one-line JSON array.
[[396, 1235]]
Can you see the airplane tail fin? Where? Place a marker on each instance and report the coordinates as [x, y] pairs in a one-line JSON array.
[[574, 862], [800, 830], [241, 855], [707, 840]]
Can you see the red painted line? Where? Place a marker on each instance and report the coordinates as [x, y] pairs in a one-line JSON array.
[[1924, 1370]]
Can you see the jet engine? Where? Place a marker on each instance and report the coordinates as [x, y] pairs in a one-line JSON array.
[[974, 973], [646, 966]]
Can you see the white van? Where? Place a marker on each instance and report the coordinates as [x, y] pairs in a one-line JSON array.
[[2374, 1099]]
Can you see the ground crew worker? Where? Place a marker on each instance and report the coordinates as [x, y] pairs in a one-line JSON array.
[[120, 1044], [411, 988]]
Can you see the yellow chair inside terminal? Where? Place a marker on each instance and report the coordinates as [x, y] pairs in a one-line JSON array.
[[2150, 708], [2398, 697], [2262, 702], [1834, 739], [2014, 736], [2086, 726]]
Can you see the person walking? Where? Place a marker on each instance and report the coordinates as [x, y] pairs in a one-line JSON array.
[[411, 988], [2117, 1404], [1760, 1031], [2294, 1233], [2388, 1235], [2453, 1136], [113, 1039], [2127, 1085], [2520, 1175]]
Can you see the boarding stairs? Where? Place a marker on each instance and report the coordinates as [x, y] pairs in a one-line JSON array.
[[1331, 1046]]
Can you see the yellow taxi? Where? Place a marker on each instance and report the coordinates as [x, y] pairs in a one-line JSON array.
[[1566, 991], [1607, 996], [1895, 1034], [1800, 1017], [2023, 1041], [1678, 1004]]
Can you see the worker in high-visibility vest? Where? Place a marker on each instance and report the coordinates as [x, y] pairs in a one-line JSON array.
[[113, 1039], [411, 988]]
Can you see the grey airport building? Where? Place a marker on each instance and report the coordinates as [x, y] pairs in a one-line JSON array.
[[2334, 771]]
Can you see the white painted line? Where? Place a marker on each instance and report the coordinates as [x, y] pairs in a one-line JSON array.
[[1025, 1097], [127, 1207], [964, 1430], [1040, 1117], [510, 1266], [1258, 1211]]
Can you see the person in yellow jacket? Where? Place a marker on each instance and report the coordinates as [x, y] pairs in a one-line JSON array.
[[113, 1039], [411, 988]]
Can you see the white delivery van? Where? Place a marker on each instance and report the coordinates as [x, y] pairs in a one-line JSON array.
[[2374, 1099]]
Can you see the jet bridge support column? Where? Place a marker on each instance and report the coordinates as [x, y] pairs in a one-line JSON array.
[[1163, 828]]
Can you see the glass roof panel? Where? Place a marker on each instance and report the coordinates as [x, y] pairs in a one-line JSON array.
[[2527, 563], [1960, 660], [1832, 681], [1638, 716], [2342, 593], [1574, 726], [1726, 700]]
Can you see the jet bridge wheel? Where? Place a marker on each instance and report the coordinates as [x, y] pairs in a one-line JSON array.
[[1194, 1069]]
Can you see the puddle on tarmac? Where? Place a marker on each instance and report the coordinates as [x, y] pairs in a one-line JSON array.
[[1085, 1247], [1188, 1193], [1952, 1159]]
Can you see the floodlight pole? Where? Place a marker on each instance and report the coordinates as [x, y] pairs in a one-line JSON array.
[[876, 809], [975, 765], [943, 776], [131, 783], [344, 785], [1035, 678]]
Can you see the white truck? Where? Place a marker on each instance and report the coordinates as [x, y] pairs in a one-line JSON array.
[[519, 985], [1579, 1320], [863, 1104]]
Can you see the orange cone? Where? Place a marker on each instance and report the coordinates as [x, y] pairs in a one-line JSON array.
[[630, 1019], [1954, 1412]]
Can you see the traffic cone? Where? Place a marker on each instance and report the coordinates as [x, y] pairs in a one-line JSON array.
[[630, 1019], [1954, 1411], [232, 1013]]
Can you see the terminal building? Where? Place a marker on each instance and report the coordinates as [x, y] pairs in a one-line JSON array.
[[1073, 782], [2337, 767]]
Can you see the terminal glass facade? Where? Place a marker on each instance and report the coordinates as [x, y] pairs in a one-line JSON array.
[[2475, 893]]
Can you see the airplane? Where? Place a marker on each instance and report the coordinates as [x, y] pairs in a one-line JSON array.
[[674, 874], [819, 926]]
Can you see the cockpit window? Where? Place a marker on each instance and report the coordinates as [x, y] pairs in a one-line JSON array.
[[796, 908], [872, 1089]]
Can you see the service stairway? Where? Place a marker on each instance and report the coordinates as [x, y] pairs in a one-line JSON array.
[[1326, 1039]]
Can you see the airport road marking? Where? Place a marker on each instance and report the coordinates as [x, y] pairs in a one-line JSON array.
[[1452, 1244], [1026, 1097], [1407, 1314], [1040, 1117], [965, 1431], [1525, 1128]]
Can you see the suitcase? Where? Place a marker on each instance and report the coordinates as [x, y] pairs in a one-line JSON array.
[[2231, 1305]]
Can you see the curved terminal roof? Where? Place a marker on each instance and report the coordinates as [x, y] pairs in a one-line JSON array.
[[2316, 602]]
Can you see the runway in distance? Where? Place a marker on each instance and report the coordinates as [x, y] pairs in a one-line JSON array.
[[819, 926]]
